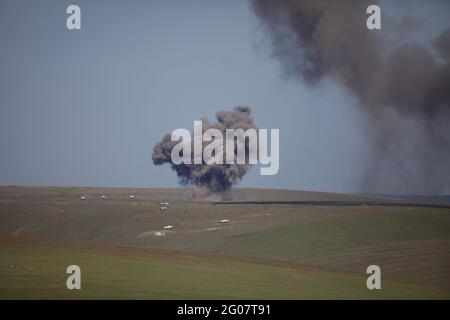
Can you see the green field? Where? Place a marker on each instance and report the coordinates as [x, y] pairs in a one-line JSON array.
[[267, 251]]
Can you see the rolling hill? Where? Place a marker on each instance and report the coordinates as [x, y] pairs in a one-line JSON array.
[[271, 248]]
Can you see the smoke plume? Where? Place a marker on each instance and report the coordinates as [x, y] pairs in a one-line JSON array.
[[403, 88], [213, 180]]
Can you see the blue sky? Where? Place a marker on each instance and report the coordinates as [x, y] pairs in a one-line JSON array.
[[84, 108]]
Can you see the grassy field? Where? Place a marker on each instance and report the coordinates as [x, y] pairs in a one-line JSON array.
[[268, 251]]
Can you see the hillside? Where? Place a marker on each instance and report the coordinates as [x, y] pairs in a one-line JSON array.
[[282, 250]]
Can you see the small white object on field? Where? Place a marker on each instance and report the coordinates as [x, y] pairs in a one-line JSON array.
[[164, 203], [163, 208], [83, 198], [160, 233], [103, 197], [131, 197], [168, 227], [224, 220]]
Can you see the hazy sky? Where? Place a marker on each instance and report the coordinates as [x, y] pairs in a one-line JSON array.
[[84, 108]]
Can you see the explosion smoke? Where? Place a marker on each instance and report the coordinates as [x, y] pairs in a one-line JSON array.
[[213, 179], [403, 88]]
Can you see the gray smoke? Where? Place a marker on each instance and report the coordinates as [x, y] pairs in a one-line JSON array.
[[213, 179], [403, 88]]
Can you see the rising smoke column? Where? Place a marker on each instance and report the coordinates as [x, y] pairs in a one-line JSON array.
[[213, 179], [403, 88]]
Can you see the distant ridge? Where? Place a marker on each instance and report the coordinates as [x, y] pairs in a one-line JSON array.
[[340, 203]]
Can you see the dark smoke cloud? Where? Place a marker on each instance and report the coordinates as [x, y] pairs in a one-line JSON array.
[[403, 88], [212, 179]]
